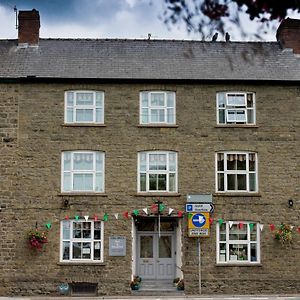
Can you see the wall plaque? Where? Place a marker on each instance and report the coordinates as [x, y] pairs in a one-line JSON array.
[[117, 246]]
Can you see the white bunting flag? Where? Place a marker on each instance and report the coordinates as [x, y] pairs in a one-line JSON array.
[[230, 224], [145, 210], [261, 226], [116, 216], [86, 217], [171, 210]]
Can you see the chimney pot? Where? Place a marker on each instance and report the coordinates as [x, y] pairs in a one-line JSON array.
[[288, 34], [29, 27]]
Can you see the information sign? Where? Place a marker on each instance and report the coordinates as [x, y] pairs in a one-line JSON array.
[[198, 224]]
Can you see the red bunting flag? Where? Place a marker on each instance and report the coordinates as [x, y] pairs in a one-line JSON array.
[[211, 221], [272, 227], [126, 214], [154, 208], [180, 214], [67, 218], [95, 217], [241, 225], [298, 229]]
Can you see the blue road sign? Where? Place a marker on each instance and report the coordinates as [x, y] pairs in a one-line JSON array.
[[198, 220]]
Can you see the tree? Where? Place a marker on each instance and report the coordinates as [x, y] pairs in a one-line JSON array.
[[207, 16]]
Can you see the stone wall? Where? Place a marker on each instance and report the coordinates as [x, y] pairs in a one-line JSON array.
[[31, 172]]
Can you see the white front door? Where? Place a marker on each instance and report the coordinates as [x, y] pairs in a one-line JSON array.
[[156, 255]]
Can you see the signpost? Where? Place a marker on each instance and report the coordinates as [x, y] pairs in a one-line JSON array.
[[199, 207], [198, 224]]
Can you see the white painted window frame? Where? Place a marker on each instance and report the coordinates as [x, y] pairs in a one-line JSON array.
[[76, 107], [247, 242], [233, 172], [93, 172], [165, 107], [236, 108], [148, 172], [72, 240]]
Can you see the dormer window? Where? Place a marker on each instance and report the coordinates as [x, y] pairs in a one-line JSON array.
[[84, 107], [236, 108], [157, 107]]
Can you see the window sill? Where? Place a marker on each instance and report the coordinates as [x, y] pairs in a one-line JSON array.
[[238, 265], [83, 125], [80, 263], [237, 194], [82, 194], [157, 194], [158, 125], [236, 126]]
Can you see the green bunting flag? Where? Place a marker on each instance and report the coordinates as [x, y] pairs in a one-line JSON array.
[[136, 212], [105, 217], [220, 221], [251, 225], [190, 215], [77, 217], [162, 207], [48, 225]]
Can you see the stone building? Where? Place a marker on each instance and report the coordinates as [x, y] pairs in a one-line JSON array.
[[103, 143]]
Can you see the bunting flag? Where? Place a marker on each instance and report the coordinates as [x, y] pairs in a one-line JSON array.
[[48, 225], [180, 213], [86, 218], [230, 224], [162, 207], [105, 217], [190, 215], [77, 217], [220, 221], [241, 225], [251, 226], [145, 210], [261, 227], [95, 217], [170, 211], [211, 221], [116, 216], [272, 227], [126, 215], [298, 229], [135, 212], [154, 208], [67, 217]]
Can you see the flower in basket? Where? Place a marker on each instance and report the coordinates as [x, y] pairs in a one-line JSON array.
[[135, 283], [37, 238], [284, 233]]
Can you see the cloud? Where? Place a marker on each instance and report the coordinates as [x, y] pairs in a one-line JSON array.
[[8, 23]]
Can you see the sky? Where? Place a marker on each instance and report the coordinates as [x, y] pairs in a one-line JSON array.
[[99, 19]]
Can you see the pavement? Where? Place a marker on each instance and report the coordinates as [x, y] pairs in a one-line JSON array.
[[189, 297]]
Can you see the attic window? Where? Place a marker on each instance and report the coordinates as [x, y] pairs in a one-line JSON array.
[[82, 107], [236, 108]]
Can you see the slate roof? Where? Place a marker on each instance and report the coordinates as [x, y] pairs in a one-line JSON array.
[[149, 59]]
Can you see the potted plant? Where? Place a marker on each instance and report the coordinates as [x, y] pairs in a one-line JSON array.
[[176, 280], [284, 234], [135, 283], [180, 285], [37, 239]]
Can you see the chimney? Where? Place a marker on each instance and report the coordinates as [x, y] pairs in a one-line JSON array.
[[29, 27], [288, 34]]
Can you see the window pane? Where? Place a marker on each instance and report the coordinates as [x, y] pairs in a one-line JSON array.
[[83, 161], [250, 116], [157, 99], [97, 230], [172, 161], [231, 162], [235, 233], [83, 182], [253, 233], [99, 99], [142, 182], [84, 99], [99, 182], [70, 98], [162, 182], [221, 182], [170, 99], [251, 161], [67, 161], [66, 250], [249, 100], [145, 99], [221, 116], [69, 114], [67, 182], [77, 230], [240, 115], [86, 232], [220, 159], [222, 251], [231, 182], [238, 252], [253, 251], [221, 99], [84, 115], [157, 162], [157, 115], [99, 161], [99, 116], [170, 115], [76, 250], [165, 247], [97, 250], [236, 100], [142, 157], [172, 182], [145, 115], [241, 162], [146, 247], [153, 182], [252, 182], [66, 230], [241, 179], [86, 250]]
